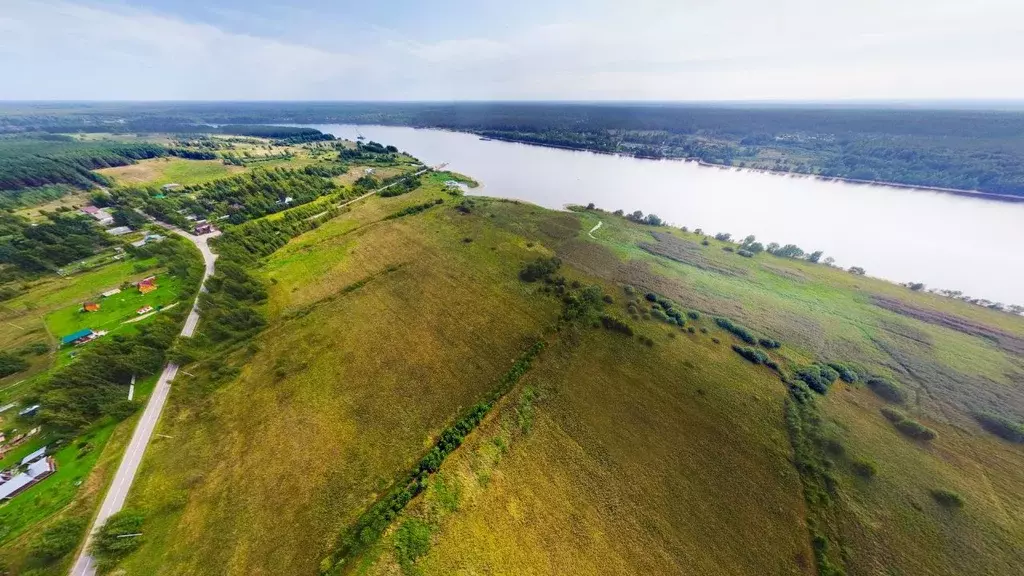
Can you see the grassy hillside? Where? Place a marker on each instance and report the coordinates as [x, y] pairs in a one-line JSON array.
[[663, 451]]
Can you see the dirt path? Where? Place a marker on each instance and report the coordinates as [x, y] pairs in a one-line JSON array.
[[594, 229]]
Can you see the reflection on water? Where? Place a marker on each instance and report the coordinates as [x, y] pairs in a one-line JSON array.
[[943, 240]]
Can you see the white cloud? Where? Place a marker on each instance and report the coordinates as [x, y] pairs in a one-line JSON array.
[[694, 49]]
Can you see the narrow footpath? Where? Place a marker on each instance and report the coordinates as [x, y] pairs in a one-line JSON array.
[[594, 229]]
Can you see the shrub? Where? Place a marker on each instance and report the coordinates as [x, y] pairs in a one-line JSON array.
[[59, 539], [769, 343], [614, 324], [1000, 426], [539, 269], [629, 290], [607, 299], [916, 430], [693, 314], [728, 248], [111, 544], [893, 415], [651, 297], [659, 315], [751, 354], [947, 498], [817, 377], [887, 389], [846, 373], [864, 468], [691, 330], [741, 332], [412, 541], [723, 237], [745, 253]]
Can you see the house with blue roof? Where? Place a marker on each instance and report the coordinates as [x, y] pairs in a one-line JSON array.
[[82, 335]]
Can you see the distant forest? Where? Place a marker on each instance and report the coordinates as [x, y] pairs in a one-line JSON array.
[[963, 149]]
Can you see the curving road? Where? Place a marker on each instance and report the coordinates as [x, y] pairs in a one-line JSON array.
[[114, 500]]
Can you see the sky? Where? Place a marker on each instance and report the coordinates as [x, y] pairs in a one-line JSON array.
[[686, 50]]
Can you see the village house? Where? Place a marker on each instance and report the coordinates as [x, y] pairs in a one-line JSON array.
[[91, 307], [204, 228], [81, 337], [119, 231], [101, 215], [148, 285], [38, 466]]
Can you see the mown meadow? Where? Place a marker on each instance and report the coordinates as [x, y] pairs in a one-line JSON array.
[[692, 411]]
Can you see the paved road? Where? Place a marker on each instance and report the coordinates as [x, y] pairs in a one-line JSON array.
[[114, 500]]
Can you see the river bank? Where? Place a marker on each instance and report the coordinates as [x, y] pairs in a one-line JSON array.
[[704, 163], [953, 241]]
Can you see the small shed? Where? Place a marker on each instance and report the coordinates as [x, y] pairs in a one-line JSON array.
[[111, 292], [144, 310], [170, 186], [119, 231]]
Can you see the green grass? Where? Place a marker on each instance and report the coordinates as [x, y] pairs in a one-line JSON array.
[[114, 310], [160, 171], [58, 490], [623, 457]]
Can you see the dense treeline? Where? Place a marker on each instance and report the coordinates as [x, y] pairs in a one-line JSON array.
[[46, 245], [280, 134], [240, 198], [94, 386], [51, 160], [966, 149]]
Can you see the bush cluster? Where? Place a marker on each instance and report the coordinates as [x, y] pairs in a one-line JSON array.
[[1000, 426], [907, 425], [818, 377], [615, 325], [740, 332], [769, 343], [665, 309], [756, 356], [846, 374], [414, 209], [887, 389], [948, 498], [539, 268]]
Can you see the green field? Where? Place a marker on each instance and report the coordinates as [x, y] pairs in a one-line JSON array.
[[664, 452], [115, 310], [160, 171]]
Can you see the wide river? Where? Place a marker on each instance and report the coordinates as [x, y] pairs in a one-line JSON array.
[[943, 240]]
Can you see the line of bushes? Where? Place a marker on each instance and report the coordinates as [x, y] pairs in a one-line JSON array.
[[615, 325], [908, 426], [818, 377], [372, 523], [740, 332], [887, 389], [755, 356], [414, 209], [666, 310], [1003, 427], [539, 268]]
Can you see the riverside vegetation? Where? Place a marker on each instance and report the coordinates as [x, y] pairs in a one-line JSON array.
[[368, 394]]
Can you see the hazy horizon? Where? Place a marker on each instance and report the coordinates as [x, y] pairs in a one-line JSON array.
[[693, 51]]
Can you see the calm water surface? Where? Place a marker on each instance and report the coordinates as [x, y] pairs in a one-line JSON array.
[[943, 240]]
